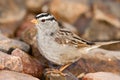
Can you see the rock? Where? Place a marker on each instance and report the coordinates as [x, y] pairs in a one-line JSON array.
[[101, 31], [25, 25], [11, 75], [21, 62], [97, 60], [35, 6], [101, 76], [7, 44], [107, 11], [30, 65], [68, 10], [55, 76], [11, 16], [10, 62]]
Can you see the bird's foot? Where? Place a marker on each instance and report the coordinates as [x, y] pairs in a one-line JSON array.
[[55, 71]]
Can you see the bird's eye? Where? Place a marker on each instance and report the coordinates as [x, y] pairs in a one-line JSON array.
[[43, 20]]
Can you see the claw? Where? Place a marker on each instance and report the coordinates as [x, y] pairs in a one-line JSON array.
[[56, 71]]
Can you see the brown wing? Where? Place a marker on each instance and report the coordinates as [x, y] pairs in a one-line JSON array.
[[66, 37]]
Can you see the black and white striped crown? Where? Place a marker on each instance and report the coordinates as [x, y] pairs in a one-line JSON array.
[[45, 16]]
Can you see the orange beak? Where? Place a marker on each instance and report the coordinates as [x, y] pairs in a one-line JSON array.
[[34, 21]]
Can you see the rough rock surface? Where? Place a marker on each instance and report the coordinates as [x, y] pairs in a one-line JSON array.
[[21, 62], [6, 44], [25, 25], [97, 60], [101, 76], [10, 62], [30, 64], [11, 75]]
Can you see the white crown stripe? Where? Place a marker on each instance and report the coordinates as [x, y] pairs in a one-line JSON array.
[[45, 16]]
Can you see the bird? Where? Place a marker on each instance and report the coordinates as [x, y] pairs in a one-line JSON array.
[[58, 44]]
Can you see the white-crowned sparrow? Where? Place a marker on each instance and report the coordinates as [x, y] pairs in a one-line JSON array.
[[58, 44]]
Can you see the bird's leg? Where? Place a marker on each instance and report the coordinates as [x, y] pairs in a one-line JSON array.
[[56, 71], [59, 71], [62, 68]]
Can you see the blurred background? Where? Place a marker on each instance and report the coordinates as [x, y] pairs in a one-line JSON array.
[[94, 20]]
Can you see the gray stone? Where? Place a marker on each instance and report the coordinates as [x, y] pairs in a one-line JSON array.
[[6, 44]]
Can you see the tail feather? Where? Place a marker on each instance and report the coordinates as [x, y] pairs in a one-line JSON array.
[[105, 43], [99, 44]]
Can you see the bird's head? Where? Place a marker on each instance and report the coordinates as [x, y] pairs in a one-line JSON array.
[[44, 20]]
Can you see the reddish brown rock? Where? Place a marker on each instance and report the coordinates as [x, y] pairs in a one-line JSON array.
[[11, 75], [29, 36], [25, 25], [68, 10], [10, 62], [30, 64], [11, 16], [21, 62], [97, 60], [101, 76]]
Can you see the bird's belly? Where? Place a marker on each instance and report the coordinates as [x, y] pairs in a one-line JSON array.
[[57, 53]]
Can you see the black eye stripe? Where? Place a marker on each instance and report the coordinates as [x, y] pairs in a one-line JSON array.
[[42, 15], [51, 19]]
